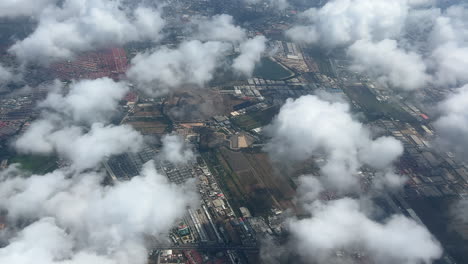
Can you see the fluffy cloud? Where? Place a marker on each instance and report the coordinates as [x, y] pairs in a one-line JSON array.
[[341, 226], [450, 52], [309, 127], [81, 221], [176, 150], [251, 51], [341, 22], [220, 28], [192, 63], [87, 25], [84, 148], [15, 8], [87, 101], [73, 125], [389, 64], [452, 126]]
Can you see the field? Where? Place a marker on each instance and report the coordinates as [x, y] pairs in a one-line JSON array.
[[256, 119], [35, 164], [149, 120], [269, 69], [251, 181], [373, 108]]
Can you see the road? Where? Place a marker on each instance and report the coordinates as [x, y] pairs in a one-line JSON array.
[[206, 247]]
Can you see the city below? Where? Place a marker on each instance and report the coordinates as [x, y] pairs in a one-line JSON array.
[[213, 131]]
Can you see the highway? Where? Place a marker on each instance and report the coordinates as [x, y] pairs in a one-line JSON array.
[[206, 247]]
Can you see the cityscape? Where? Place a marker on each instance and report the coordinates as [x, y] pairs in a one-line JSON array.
[[245, 131]]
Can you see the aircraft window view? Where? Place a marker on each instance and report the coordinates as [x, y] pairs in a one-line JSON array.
[[233, 131]]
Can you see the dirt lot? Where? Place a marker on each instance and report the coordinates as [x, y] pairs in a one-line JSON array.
[[148, 119], [149, 128]]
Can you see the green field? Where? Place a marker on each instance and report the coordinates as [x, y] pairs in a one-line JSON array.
[[373, 109], [256, 119], [35, 164], [226, 179], [271, 70]]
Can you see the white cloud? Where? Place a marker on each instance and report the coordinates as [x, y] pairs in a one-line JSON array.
[[73, 125], [87, 101], [341, 22], [84, 148], [452, 125], [251, 51], [81, 221], [219, 28], [449, 55], [391, 65], [341, 225], [309, 126], [192, 63], [15, 8], [176, 150], [87, 25]]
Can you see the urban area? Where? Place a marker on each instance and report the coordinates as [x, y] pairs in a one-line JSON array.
[[246, 197]]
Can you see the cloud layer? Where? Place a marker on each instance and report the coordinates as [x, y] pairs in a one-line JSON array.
[[392, 66], [309, 126], [251, 52], [341, 226], [192, 63], [75, 125], [87, 25], [176, 150], [81, 221]]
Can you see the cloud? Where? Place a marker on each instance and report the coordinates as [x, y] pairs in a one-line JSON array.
[[84, 148], [452, 125], [341, 225], [251, 51], [341, 22], [389, 39], [391, 65], [15, 8], [75, 125], [176, 150], [309, 126], [308, 189], [87, 101], [449, 55], [192, 63], [77, 220], [219, 28], [87, 25], [5, 75]]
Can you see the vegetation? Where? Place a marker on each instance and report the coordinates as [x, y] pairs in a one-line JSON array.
[[35, 164], [253, 120], [373, 108], [225, 178]]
